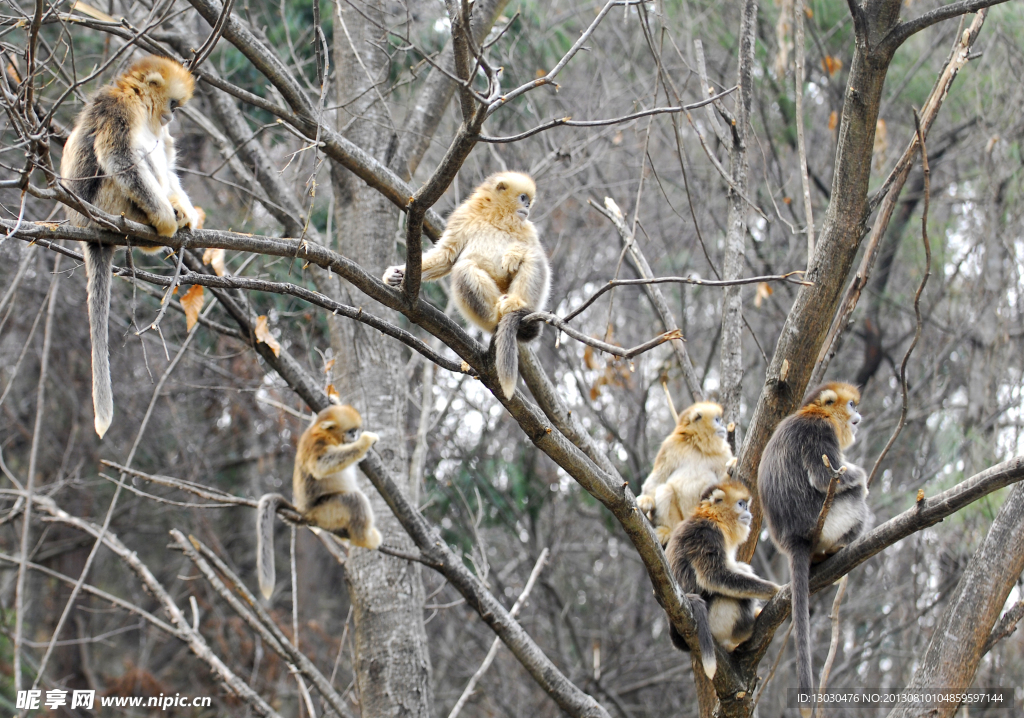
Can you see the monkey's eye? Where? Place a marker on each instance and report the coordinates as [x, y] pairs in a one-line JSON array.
[[850, 404], [174, 105], [524, 199], [352, 434], [742, 505]]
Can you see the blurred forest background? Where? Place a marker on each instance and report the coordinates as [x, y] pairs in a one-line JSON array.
[[208, 407]]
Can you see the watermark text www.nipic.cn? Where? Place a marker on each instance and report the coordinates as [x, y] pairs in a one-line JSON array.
[[56, 698]]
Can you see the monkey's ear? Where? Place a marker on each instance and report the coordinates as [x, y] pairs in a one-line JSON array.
[[501, 186], [828, 397], [329, 424], [696, 417], [154, 79]]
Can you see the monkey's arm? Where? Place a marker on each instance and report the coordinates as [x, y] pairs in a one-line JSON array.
[[131, 172], [339, 457], [658, 476], [436, 263], [708, 556], [820, 440], [185, 211]]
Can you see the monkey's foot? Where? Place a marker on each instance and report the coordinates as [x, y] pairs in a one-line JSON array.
[[663, 533], [508, 303], [371, 540], [394, 276]]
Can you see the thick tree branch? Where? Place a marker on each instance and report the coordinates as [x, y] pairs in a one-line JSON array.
[[899, 34]]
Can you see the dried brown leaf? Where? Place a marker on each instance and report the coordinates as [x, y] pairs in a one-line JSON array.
[[263, 335], [192, 303], [215, 257]]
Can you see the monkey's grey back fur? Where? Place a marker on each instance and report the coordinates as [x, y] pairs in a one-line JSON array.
[[792, 482]]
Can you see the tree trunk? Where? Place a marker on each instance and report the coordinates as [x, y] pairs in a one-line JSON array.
[[957, 644], [392, 661]]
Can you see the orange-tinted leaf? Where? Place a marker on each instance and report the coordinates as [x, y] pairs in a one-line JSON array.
[[92, 12], [332, 394], [764, 291], [833, 121], [215, 257], [328, 365], [192, 303], [263, 335], [787, 200], [831, 64]]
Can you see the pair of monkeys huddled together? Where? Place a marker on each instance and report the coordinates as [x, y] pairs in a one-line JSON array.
[[120, 158], [703, 514]]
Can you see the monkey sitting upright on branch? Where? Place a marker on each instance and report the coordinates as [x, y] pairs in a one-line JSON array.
[[324, 488], [793, 482], [499, 269], [120, 157], [693, 457]]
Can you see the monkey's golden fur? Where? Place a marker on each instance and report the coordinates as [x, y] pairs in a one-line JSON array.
[[324, 488], [120, 157], [702, 555], [693, 457], [499, 268]]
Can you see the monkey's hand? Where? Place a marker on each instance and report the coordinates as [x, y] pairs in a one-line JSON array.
[[512, 260], [730, 468], [663, 533], [394, 276], [165, 221], [508, 303], [370, 438], [185, 214], [645, 503]]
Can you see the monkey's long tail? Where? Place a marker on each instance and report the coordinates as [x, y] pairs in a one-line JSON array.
[[265, 511], [799, 571], [98, 262], [704, 638], [506, 348]]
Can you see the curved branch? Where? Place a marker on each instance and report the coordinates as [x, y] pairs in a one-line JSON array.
[[899, 34], [569, 122]]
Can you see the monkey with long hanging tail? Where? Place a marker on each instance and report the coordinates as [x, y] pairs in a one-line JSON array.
[[120, 157], [793, 481], [499, 270]]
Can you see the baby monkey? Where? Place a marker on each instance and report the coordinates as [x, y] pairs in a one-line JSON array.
[[499, 270], [324, 488]]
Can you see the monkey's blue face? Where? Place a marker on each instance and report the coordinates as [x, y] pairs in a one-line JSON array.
[[523, 209], [743, 511], [351, 435], [720, 428], [854, 417]]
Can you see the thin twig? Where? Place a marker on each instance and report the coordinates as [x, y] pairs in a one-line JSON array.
[[833, 644], [788, 277], [830, 496], [569, 122], [30, 482], [798, 41], [917, 301], [771, 673]]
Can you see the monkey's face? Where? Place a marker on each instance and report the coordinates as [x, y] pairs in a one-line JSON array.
[[704, 418], [514, 193], [342, 422], [165, 84], [838, 403]]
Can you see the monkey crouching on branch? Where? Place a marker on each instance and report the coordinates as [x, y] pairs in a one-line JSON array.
[[702, 555], [499, 270], [793, 482], [120, 157], [693, 457], [324, 488]]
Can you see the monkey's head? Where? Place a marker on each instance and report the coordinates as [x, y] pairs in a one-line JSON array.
[[506, 196], [837, 402], [161, 84], [342, 423], [701, 425], [728, 505]]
